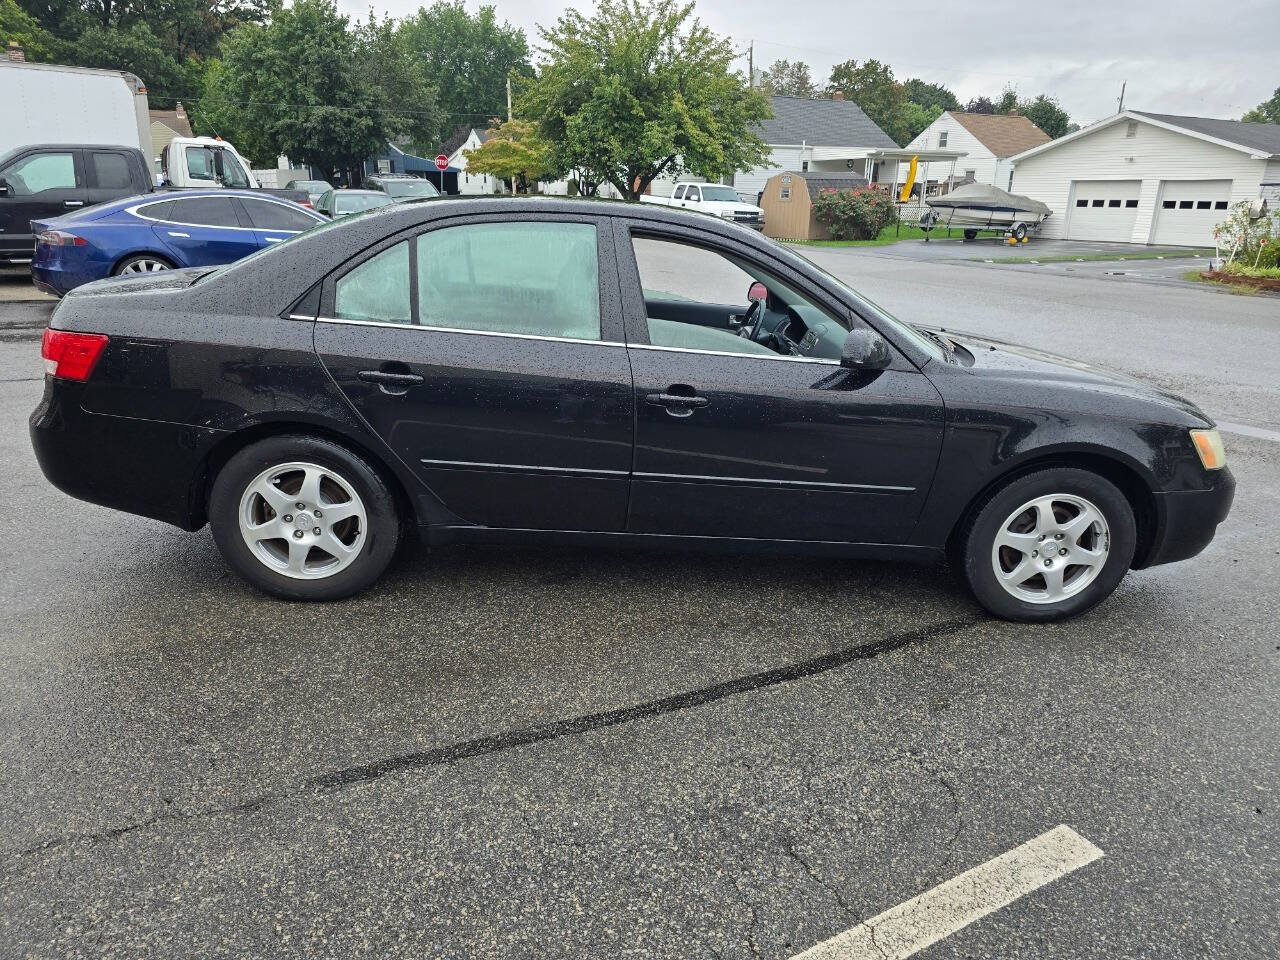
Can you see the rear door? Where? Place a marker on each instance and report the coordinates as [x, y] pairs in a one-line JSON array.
[[488, 354], [275, 221], [37, 185], [110, 175], [206, 231]]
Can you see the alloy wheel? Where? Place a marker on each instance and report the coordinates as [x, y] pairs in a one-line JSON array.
[[1051, 548], [303, 520], [144, 265]]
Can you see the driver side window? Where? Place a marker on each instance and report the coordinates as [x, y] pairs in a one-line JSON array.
[[697, 298]]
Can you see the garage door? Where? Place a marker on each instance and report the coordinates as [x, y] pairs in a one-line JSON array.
[[1189, 210], [1104, 210]]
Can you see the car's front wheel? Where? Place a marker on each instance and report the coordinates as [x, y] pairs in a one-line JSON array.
[[303, 518], [1049, 545]]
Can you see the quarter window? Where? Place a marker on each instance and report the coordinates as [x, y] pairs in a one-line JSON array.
[[43, 171], [679, 194], [378, 289], [538, 279]]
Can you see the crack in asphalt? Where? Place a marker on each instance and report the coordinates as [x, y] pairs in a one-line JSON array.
[[511, 739]]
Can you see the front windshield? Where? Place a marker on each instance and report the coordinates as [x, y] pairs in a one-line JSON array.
[[352, 203], [719, 193], [409, 188], [879, 315]]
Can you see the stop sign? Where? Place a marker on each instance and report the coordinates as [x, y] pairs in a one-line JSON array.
[[442, 162]]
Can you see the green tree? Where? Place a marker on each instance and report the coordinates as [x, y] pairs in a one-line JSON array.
[[930, 95], [787, 79], [980, 105], [871, 86], [1045, 113], [306, 85], [17, 24], [915, 119], [1008, 102], [469, 58], [639, 90], [1266, 112], [514, 153]]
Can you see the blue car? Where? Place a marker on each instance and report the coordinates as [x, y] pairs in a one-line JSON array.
[[160, 231]]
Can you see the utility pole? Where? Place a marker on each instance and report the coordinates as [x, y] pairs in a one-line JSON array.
[[509, 98], [751, 66], [1123, 84]]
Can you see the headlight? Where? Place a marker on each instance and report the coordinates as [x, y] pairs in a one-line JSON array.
[[1208, 444], [727, 214]]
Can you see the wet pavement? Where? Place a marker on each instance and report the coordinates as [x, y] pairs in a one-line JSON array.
[[562, 753]]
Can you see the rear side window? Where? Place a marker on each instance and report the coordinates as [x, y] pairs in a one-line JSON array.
[[205, 212], [156, 211], [378, 289], [535, 278], [266, 215], [110, 171]]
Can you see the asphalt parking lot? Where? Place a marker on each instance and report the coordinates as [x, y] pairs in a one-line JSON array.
[[536, 753]]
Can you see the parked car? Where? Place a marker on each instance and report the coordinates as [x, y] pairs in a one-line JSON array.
[[315, 189], [401, 186], [342, 203], [154, 232], [48, 180], [514, 373], [712, 198]]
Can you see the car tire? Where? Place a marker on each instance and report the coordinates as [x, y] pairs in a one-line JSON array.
[[1049, 545], [142, 263], [336, 544], [971, 234]]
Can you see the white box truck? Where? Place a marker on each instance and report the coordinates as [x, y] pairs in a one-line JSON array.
[[51, 103]]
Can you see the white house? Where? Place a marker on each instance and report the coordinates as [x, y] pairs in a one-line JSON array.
[[988, 140], [1149, 177], [469, 138], [827, 136]]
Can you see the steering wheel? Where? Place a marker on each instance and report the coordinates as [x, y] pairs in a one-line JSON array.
[[751, 320], [773, 336]]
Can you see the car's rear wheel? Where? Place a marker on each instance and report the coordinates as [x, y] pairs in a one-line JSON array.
[[143, 263], [1049, 545], [303, 518]]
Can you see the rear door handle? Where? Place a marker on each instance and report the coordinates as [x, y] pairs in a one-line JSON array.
[[176, 233], [390, 382], [73, 203]]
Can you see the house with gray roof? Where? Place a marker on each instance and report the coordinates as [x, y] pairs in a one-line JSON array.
[[1156, 178]]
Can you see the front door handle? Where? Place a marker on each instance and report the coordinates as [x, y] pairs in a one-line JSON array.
[[73, 203], [389, 381], [677, 404]]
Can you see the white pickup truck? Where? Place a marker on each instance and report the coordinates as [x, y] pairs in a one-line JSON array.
[[715, 199]]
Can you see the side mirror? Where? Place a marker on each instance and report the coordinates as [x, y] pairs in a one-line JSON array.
[[757, 291], [865, 350]]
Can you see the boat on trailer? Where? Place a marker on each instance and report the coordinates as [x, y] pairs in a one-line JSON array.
[[980, 206]]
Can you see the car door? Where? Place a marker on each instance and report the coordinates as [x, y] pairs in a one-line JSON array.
[[735, 440], [36, 186], [691, 197], [275, 221], [206, 231], [488, 355]]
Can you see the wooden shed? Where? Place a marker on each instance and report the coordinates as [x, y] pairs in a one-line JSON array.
[[788, 202]]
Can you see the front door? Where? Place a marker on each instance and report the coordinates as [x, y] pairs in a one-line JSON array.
[[37, 186], [764, 436], [488, 355]]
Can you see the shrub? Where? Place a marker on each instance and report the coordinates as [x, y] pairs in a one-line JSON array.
[[1246, 270], [857, 214], [1250, 238]]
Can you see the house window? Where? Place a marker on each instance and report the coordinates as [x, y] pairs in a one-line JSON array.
[[1132, 129], [1203, 205], [942, 139], [1184, 204], [1169, 204], [784, 193], [1082, 203], [1220, 205], [804, 165], [1130, 204], [1113, 203], [1099, 203], [971, 174]]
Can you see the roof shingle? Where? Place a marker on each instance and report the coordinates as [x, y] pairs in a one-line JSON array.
[[822, 123], [1264, 137], [1004, 134]]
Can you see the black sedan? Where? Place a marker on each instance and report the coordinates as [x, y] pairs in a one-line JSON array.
[[583, 372]]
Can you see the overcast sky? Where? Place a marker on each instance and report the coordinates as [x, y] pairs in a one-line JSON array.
[[1192, 57]]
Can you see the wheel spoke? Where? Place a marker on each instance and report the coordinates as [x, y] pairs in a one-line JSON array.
[[1083, 557], [1080, 523], [336, 512], [309, 493], [1024, 543], [1046, 521], [298, 555], [333, 546], [1024, 571], [1053, 581], [277, 499], [271, 529]]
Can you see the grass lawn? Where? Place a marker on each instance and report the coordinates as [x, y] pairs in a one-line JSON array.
[[1103, 257], [890, 234]]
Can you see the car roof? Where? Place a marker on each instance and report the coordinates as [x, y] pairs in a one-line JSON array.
[[348, 191], [98, 211]]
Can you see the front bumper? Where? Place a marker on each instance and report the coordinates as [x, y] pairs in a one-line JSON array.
[[1187, 520]]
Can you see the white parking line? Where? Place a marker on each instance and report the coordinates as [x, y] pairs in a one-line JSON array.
[[924, 920], [1247, 431]]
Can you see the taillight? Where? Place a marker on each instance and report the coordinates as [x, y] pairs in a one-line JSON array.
[[71, 356], [60, 238], [306, 203]]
